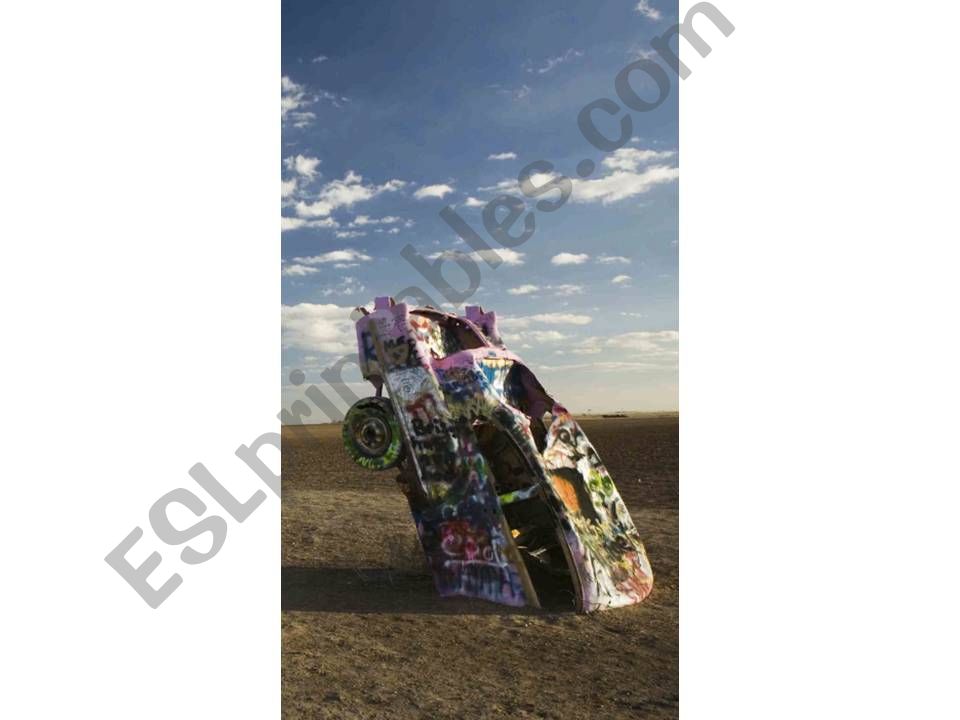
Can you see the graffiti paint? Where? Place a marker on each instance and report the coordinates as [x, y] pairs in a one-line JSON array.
[[498, 497]]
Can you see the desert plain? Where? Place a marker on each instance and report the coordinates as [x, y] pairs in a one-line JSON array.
[[366, 636]]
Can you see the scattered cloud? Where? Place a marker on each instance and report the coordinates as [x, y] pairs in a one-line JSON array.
[[433, 191], [343, 193], [612, 260], [622, 280], [525, 337], [524, 322], [566, 258], [517, 94], [319, 59], [627, 178], [656, 346], [505, 255], [502, 186], [297, 270], [363, 220], [318, 328], [337, 101], [303, 165], [511, 185], [293, 223], [347, 286], [502, 156], [621, 185], [334, 256], [293, 103], [288, 188], [344, 234], [473, 202], [523, 290], [647, 10], [567, 290], [628, 158], [640, 51], [551, 63], [558, 290]]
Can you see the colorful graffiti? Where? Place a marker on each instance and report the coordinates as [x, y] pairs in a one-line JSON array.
[[506, 508]]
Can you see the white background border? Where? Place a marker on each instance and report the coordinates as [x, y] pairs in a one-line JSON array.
[[141, 153], [818, 363]]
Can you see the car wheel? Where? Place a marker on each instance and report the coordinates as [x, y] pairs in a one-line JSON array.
[[371, 434]]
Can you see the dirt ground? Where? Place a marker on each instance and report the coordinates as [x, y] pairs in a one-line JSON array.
[[365, 635]]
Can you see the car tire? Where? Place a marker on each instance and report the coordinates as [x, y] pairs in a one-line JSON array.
[[371, 434]]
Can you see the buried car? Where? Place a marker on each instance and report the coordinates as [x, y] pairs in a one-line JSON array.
[[508, 507]]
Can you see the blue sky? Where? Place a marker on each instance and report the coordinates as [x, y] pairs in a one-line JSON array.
[[393, 110]]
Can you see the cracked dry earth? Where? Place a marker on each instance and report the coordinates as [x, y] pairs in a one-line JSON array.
[[365, 635]]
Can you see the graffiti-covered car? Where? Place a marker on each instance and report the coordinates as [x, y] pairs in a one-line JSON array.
[[509, 507]]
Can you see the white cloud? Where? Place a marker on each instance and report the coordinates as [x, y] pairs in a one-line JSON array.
[[511, 185], [519, 94], [344, 193], [319, 59], [525, 337], [655, 341], [433, 191], [639, 51], [622, 184], [318, 328], [340, 256], [506, 256], [612, 260], [473, 202], [565, 258], [362, 220], [347, 286], [288, 223], [629, 158], [621, 280], [647, 10], [502, 186], [567, 290], [345, 234], [524, 322], [627, 179], [502, 156], [303, 165], [293, 101], [297, 270], [551, 63], [332, 98], [523, 290], [291, 223], [558, 290], [288, 187], [656, 346]]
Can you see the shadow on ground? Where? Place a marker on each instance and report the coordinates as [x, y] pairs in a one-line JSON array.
[[375, 590]]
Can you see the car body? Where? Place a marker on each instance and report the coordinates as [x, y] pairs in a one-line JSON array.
[[508, 508]]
